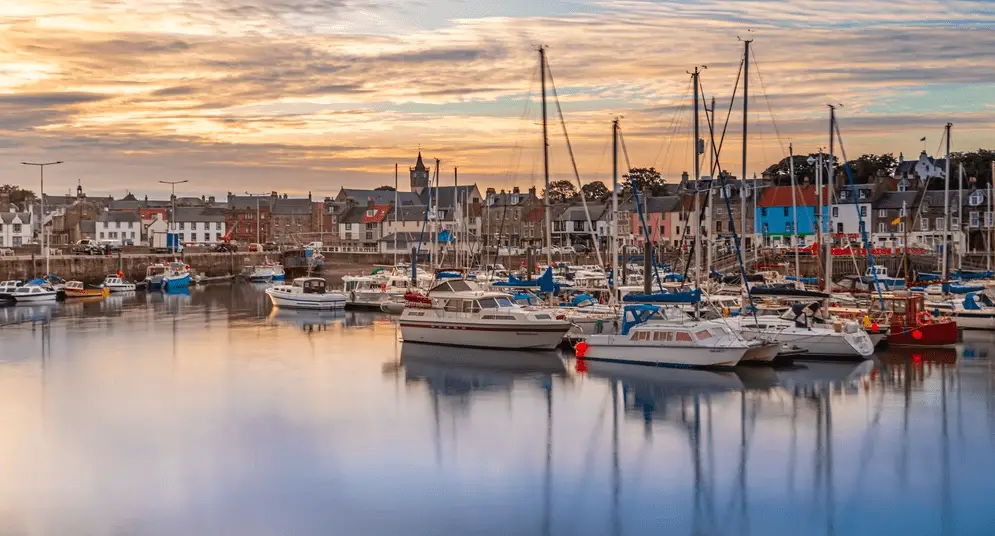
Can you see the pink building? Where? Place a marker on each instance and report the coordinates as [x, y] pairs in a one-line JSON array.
[[663, 220]]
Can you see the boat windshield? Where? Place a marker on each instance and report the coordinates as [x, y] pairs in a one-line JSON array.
[[494, 303]]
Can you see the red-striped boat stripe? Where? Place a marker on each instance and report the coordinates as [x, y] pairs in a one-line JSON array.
[[551, 329]]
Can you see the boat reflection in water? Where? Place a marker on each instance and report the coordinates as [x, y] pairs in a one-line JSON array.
[[423, 357], [27, 313], [307, 320]]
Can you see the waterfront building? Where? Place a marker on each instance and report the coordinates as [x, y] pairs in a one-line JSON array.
[[15, 228], [775, 215], [199, 225]]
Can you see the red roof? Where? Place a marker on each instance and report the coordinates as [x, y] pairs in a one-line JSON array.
[[780, 196], [379, 212]]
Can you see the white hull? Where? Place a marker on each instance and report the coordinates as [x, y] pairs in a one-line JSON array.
[[367, 300], [484, 335], [817, 342], [36, 298], [120, 288], [307, 301], [764, 353], [620, 348], [974, 319]]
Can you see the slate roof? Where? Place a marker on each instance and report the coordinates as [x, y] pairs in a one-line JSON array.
[[244, 202], [380, 197], [194, 214], [354, 215], [8, 217], [894, 200], [576, 213], [118, 216], [298, 206], [409, 213], [505, 198], [447, 195], [88, 226]]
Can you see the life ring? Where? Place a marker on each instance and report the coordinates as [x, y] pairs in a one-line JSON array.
[[383, 287], [924, 318]]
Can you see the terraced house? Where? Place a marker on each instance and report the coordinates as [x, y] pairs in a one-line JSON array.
[[15, 228]]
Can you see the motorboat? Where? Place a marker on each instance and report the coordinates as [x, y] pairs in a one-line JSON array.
[[458, 312], [34, 293], [264, 273], [365, 292], [116, 283], [76, 289], [176, 275], [305, 293], [801, 326], [975, 311], [651, 336], [7, 289]]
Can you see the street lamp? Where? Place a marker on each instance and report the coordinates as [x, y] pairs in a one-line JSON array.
[[41, 168], [172, 217], [258, 221]]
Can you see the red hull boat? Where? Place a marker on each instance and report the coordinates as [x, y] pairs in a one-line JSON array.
[[912, 325]]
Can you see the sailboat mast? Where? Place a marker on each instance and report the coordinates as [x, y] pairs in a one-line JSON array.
[[396, 208], [946, 209], [457, 216], [711, 172], [614, 249], [991, 219], [794, 209], [545, 160], [697, 196], [820, 198], [436, 221], [746, 115]]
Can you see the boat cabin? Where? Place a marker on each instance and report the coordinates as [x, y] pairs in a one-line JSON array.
[[310, 285], [360, 283], [74, 285], [10, 286], [677, 335], [28, 290]]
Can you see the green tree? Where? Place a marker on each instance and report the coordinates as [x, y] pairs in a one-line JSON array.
[[17, 195], [977, 164], [596, 191], [384, 188], [560, 191], [870, 167], [647, 180]]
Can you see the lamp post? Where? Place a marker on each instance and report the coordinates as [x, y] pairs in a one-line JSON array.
[[41, 168], [172, 217]]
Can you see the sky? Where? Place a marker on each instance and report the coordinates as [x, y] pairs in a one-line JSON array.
[[305, 96]]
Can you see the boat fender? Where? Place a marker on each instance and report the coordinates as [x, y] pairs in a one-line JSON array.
[[352, 296], [383, 287], [580, 349], [725, 311], [867, 321]]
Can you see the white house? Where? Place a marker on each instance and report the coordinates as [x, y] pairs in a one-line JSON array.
[[119, 227], [196, 225], [851, 213], [15, 228]]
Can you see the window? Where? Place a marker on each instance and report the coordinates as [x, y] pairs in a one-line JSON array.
[[16, 241], [765, 229], [882, 227], [785, 212], [718, 227], [682, 336], [17, 227], [763, 212], [974, 218], [901, 212], [789, 227], [1, 241], [862, 194], [836, 212], [976, 199], [883, 213], [217, 225], [988, 219], [182, 225], [454, 306], [843, 195], [863, 228], [901, 227], [954, 222], [101, 235], [703, 334], [939, 224], [924, 224], [217, 237], [863, 212], [662, 232], [839, 228]]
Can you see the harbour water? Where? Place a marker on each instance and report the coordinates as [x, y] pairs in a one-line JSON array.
[[206, 412]]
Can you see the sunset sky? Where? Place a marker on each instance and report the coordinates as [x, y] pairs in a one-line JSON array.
[[311, 95]]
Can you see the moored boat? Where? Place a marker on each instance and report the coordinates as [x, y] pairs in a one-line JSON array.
[[117, 283], [76, 289], [305, 293], [33, 293], [457, 312]]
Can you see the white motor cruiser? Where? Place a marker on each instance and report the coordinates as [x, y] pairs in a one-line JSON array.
[[457, 312], [305, 293], [802, 327], [31, 293], [116, 283]]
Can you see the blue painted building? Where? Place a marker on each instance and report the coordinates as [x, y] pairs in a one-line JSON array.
[[775, 218]]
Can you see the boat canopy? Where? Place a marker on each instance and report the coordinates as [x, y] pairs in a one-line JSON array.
[[969, 275], [951, 288], [545, 283], [928, 276], [786, 290], [691, 296], [633, 315], [583, 299], [805, 280]]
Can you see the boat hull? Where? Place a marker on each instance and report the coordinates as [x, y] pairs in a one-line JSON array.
[[326, 301], [174, 282], [46, 297], [935, 334], [121, 288], [87, 293], [619, 349], [831, 345], [974, 319], [484, 335]]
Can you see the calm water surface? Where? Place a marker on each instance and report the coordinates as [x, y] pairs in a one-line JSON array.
[[208, 413]]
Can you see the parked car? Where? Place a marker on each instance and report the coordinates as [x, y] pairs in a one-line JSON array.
[[566, 249], [110, 247], [255, 248], [87, 247], [271, 246]]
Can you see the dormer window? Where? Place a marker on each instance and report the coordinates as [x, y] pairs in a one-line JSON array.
[[976, 199], [863, 194], [514, 200], [371, 213], [843, 195]]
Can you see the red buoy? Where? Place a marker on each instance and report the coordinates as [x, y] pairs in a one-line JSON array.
[[916, 334], [580, 349], [874, 327]]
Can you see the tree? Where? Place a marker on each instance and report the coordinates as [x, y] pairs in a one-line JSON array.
[[384, 188], [781, 171], [596, 191], [977, 164], [870, 167], [17, 195], [560, 191], [647, 180]]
